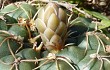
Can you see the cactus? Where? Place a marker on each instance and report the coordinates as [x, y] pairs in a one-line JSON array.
[[8, 61], [42, 35]]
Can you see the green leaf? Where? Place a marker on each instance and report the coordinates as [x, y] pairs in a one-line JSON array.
[[52, 66], [26, 66], [10, 20], [7, 59], [107, 64], [22, 10], [104, 24], [80, 25], [3, 25], [81, 60], [106, 31], [21, 66], [28, 53], [97, 15], [18, 31], [83, 63], [1, 14], [4, 50], [71, 52], [9, 8], [97, 64], [81, 21], [29, 9], [89, 63], [93, 42]]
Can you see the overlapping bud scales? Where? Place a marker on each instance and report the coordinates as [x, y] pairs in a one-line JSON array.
[[52, 26]]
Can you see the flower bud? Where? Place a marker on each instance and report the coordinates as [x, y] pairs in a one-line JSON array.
[[52, 26]]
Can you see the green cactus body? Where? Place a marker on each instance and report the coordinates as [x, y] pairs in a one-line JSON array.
[[52, 26]]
